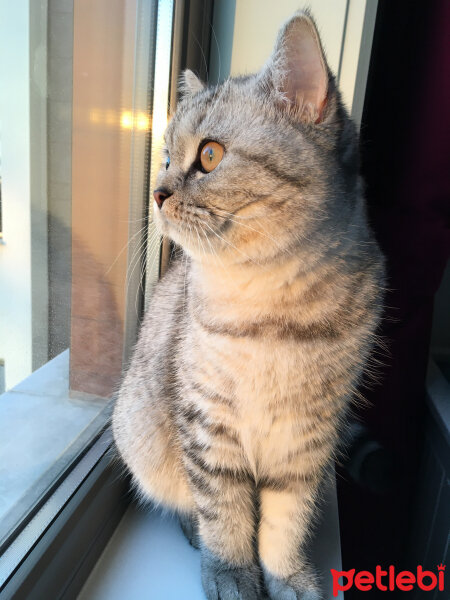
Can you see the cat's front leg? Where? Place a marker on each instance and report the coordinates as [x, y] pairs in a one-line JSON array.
[[225, 504], [286, 511]]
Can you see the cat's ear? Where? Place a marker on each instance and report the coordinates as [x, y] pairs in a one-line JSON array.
[[190, 84], [298, 69]]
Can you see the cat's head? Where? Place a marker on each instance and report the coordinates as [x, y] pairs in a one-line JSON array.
[[261, 164]]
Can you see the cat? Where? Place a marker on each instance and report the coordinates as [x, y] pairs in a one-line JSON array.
[[256, 339]]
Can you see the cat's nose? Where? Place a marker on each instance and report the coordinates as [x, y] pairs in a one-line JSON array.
[[160, 195]]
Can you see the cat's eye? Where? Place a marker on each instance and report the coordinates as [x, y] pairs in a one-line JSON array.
[[167, 162], [210, 155]]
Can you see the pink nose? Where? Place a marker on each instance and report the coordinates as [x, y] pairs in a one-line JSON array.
[[160, 195]]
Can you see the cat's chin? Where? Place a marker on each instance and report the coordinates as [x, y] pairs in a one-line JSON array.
[[165, 227], [180, 239]]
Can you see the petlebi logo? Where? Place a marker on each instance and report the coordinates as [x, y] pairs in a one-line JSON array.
[[388, 580]]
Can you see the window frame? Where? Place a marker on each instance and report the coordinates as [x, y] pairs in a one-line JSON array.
[[61, 468], [55, 562]]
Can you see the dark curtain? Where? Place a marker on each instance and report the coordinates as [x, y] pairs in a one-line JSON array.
[[405, 152]]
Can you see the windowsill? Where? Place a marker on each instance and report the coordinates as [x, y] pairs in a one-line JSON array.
[[39, 422], [148, 557]]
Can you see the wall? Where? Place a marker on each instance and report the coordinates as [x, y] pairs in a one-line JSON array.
[[257, 23], [15, 250], [346, 28], [23, 130]]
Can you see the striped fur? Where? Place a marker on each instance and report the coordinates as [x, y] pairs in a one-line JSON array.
[[256, 338]]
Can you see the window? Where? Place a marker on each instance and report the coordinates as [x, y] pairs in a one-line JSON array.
[[81, 127]]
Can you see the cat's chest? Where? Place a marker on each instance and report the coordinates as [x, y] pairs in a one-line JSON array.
[[268, 381], [269, 393], [262, 372]]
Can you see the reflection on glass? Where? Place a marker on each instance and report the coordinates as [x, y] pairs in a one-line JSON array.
[[70, 171]]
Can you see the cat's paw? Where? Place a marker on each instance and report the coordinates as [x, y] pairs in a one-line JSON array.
[[189, 526], [222, 581], [300, 586]]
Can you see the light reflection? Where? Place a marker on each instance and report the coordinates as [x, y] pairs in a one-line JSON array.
[[142, 121], [94, 116], [126, 118]]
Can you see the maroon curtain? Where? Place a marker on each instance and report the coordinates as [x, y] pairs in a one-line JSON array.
[[405, 151]]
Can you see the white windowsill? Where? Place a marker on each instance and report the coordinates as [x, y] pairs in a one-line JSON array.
[[148, 557]]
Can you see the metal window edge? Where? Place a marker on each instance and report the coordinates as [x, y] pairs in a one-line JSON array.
[[438, 396], [53, 555], [51, 479]]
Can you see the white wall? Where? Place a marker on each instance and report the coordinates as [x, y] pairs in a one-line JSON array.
[[23, 256], [15, 251], [258, 21], [345, 26]]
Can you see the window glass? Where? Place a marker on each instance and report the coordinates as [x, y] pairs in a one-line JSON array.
[[76, 121]]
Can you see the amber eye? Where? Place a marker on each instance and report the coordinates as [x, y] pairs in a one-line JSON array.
[[210, 156]]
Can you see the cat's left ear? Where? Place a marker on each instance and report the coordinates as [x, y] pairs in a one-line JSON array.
[[298, 69], [190, 84]]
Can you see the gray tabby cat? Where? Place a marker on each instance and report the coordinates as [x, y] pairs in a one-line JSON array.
[[254, 342]]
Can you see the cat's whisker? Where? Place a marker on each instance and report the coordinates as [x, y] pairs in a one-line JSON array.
[[203, 55], [269, 237], [146, 242], [231, 245], [218, 50], [132, 266], [140, 288], [185, 276], [147, 250], [145, 218], [199, 241], [217, 258], [137, 257], [235, 216], [124, 248], [217, 94], [155, 250], [190, 232], [147, 237], [156, 255], [129, 283], [213, 251]]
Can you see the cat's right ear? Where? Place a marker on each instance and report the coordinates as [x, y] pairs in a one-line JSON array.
[[297, 70], [190, 84]]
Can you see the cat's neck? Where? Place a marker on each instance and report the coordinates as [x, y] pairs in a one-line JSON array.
[[258, 288], [246, 277], [248, 290]]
